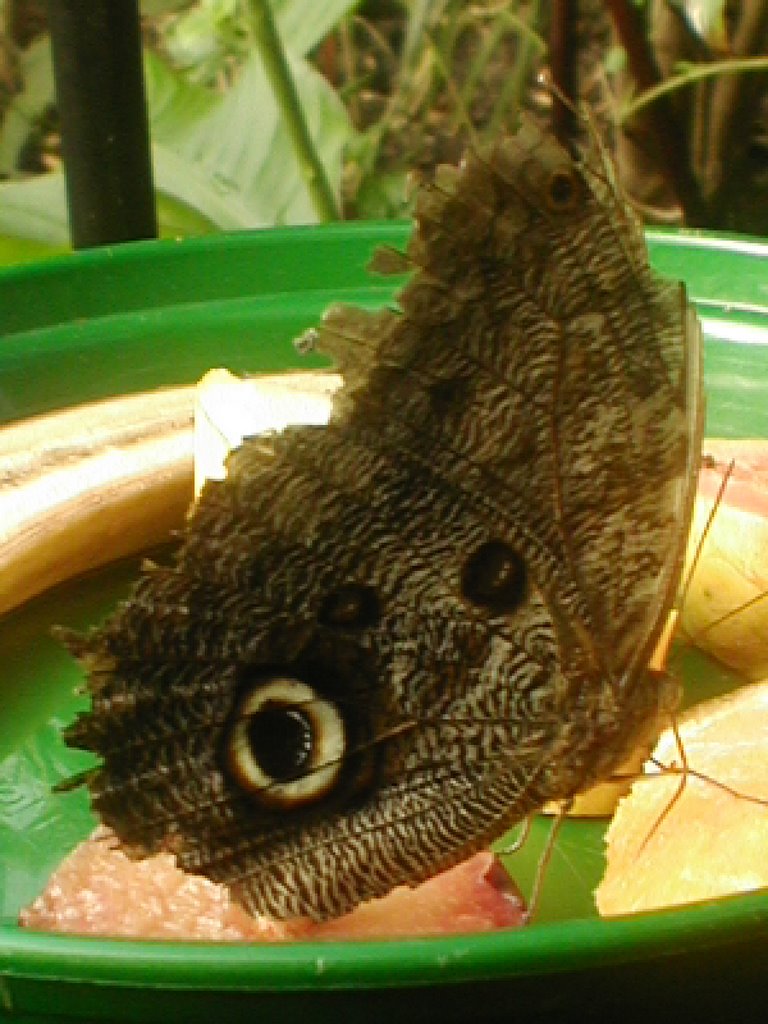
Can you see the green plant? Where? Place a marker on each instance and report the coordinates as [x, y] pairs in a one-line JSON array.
[[372, 91], [223, 158]]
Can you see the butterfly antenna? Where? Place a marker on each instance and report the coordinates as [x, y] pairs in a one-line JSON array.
[[516, 844], [683, 770], [727, 616], [660, 656], [545, 859], [686, 772], [709, 463]]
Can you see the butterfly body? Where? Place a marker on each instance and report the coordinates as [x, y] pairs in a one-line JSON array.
[[385, 641]]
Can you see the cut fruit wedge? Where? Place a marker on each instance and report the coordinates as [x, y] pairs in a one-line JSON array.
[[679, 839], [726, 606], [97, 890]]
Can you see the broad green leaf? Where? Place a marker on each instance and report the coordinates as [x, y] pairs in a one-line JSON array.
[[303, 25], [21, 250], [236, 140], [222, 160], [207, 203], [151, 8], [36, 69], [177, 220], [35, 209], [188, 203], [178, 109], [34, 212], [706, 19]]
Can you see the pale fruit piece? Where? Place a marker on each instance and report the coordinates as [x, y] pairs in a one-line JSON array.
[[726, 606], [665, 850], [476, 895], [81, 487], [599, 801], [228, 409], [97, 890], [84, 486]]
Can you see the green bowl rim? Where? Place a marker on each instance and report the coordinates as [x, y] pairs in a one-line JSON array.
[[535, 950]]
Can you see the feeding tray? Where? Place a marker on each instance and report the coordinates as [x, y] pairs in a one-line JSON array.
[[125, 320]]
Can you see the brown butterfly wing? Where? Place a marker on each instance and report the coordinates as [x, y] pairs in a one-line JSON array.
[[558, 379], [385, 641]]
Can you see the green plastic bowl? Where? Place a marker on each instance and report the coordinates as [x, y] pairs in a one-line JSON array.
[[140, 316]]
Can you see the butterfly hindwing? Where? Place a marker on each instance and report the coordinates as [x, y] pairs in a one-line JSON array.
[[384, 641]]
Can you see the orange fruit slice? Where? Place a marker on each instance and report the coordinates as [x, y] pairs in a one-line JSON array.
[[726, 606], [665, 850]]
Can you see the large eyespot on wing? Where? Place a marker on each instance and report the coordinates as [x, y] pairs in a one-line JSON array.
[[286, 745]]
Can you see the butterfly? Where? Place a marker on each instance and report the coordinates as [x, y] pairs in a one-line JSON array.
[[383, 642]]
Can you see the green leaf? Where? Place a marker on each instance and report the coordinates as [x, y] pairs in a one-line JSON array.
[[178, 109], [194, 201], [188, 203], [303, 25], [222, 161], [151, 8], [35, 209], [178, 220], [200, 39], [20, 250], [706, 19], [236, 142], [34, 218], [36, 69]]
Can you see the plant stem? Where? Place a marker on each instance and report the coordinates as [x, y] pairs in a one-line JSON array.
[[562, 62], [734, 99], [286, 95], [690, 74], [670, 137]]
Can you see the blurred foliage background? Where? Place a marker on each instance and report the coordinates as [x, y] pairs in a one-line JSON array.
[[388, 89]]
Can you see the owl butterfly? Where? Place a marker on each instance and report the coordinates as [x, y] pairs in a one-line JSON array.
[[384, 642]]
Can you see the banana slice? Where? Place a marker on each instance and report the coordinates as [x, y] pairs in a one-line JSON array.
[[87, 485]]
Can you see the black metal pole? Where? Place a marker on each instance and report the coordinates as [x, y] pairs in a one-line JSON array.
[[104, 128]]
